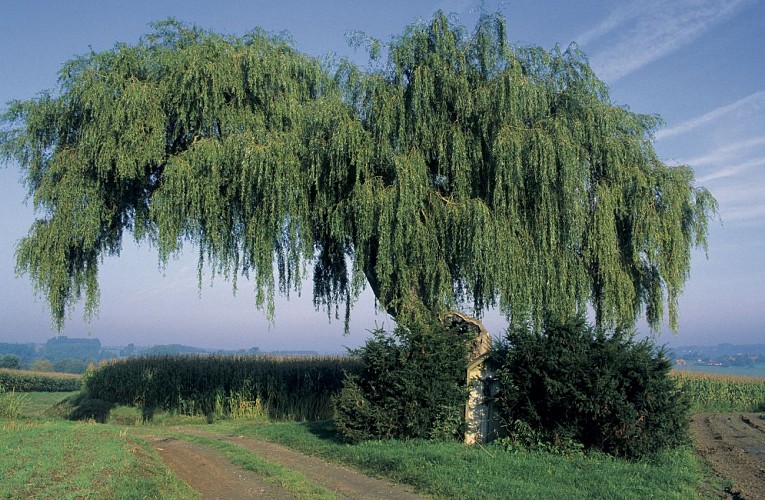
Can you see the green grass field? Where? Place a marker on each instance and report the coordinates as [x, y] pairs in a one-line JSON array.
[[42, 455], [452, 470], [45, 456], [60, 459]]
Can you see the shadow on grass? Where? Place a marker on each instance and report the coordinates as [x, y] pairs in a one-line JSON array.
[[81, 407], [323, 429]]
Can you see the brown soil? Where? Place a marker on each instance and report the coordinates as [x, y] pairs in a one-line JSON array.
[[213, 476], [210, 473], [734, 445]]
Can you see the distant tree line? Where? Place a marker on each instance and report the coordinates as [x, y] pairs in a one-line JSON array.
[[73, 355]]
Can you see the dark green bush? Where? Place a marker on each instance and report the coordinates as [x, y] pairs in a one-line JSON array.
[[570, 383], [412, 385]]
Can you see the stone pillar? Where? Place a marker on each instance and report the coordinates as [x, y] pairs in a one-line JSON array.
[[480, 417]]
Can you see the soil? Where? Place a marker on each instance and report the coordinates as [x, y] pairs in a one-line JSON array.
[[734, 445], [210, 473]]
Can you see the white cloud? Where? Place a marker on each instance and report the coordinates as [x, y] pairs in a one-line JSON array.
[[649, 30], [725, 154], [753, 192], [743, 103], [751, 213], [613, 21], [732, 170]]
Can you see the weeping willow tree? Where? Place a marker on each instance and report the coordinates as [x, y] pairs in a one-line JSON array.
[[463, 173]]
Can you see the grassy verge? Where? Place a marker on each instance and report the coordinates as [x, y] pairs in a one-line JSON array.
[[38, 403], [61, 458], [46, 457], [80, 460], [452, 470]]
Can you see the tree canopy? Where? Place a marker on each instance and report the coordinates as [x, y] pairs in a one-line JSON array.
[[461, 172]]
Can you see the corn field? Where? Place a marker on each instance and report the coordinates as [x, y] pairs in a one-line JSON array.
[[722, 393], [26, 381], [297, 388]]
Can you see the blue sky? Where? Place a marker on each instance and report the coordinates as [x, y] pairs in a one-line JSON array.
[[697, 63]]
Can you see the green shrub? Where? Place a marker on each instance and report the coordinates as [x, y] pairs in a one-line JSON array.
[[41, 365], [70, 366], [11, 404], [570, 383], [412, 385], [81, 407]]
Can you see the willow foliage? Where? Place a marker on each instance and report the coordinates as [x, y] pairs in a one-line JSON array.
[[464, 171]]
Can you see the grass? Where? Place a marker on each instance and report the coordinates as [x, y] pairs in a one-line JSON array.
[[452, 470], [40, 459], [46, 457], [37, 403]]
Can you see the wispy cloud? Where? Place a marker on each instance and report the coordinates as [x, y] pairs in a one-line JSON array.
[[750, 193], [752, 213], [745, 103], [646, 31], [732, 170], [726, 154], [613, 21]]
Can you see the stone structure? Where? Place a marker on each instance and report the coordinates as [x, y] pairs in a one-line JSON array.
[[480, 413], [480, 416]]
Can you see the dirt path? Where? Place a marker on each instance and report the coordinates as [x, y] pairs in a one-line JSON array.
[[734, 445], [210, 473]]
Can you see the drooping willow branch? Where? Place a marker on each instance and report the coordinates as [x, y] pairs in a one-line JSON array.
[[465, 173]]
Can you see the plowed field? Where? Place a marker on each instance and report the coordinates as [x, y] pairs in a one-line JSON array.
[[734, 444]]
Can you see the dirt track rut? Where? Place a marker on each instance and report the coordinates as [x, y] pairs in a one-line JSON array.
[[734, 445], [210, 473]]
